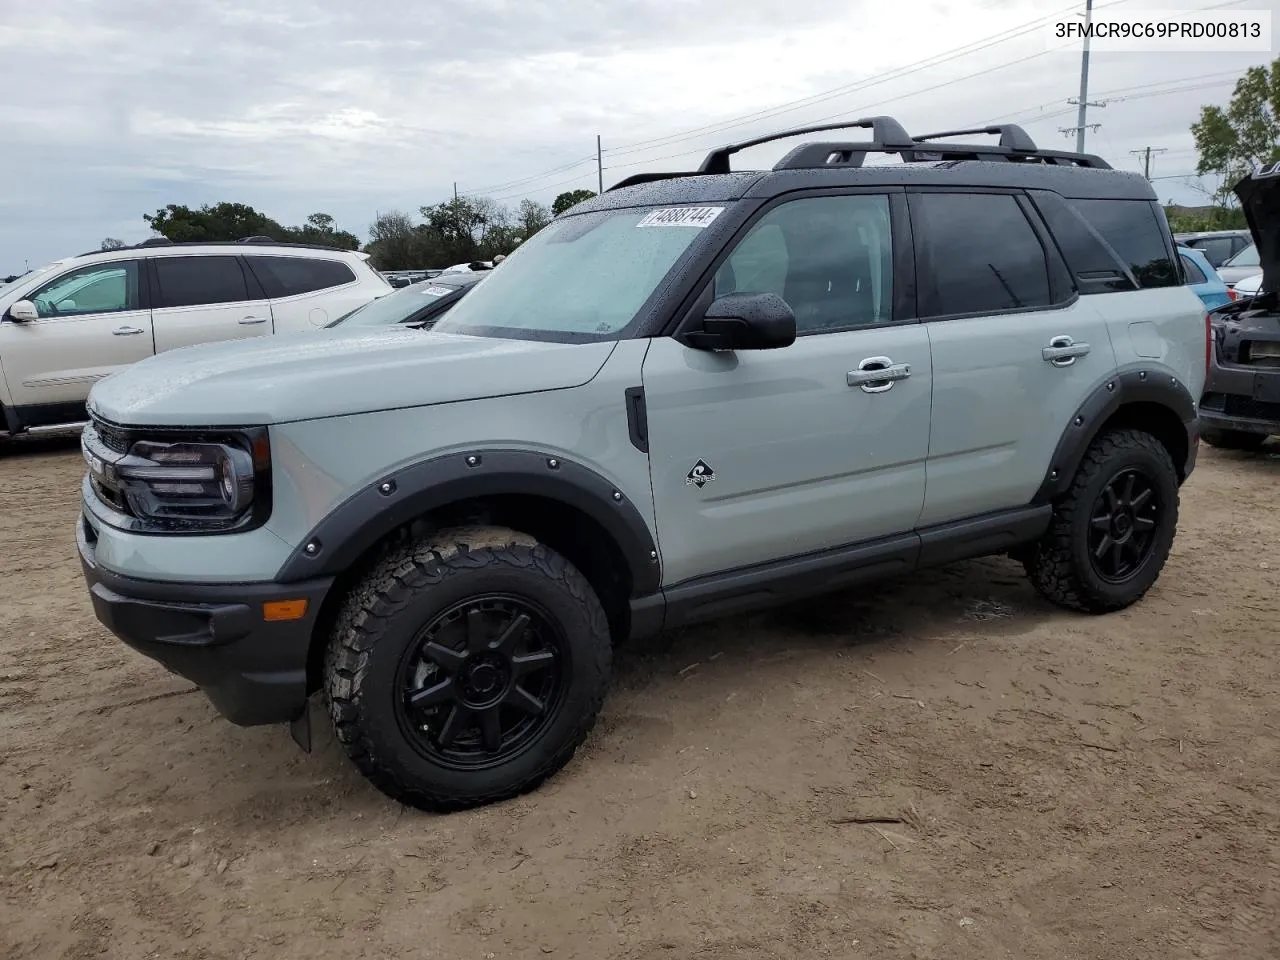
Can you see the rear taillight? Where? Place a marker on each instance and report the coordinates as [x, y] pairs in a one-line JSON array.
[[1208, 347], [1231, 292]]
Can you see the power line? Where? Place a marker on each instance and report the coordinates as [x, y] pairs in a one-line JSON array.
[[862, 109], [791, 106], [865, 83], [1146, 153]]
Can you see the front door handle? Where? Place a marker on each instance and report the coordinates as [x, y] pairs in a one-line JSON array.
[[877, 374], [1062, 351], [248, 320], [126, 331]]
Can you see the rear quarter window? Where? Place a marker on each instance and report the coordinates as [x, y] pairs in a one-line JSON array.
[[1193, 272], [290, 276], [1132, 229]]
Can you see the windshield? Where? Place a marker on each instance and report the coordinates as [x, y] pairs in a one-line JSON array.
[[1248, 257], [580, 278], [396, 307]]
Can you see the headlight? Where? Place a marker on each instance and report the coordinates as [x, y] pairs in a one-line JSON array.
[[202, 484]]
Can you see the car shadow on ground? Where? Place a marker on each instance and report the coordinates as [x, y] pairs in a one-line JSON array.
[[988, 596]]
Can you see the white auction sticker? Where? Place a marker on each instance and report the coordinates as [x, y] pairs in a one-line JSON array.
[[437, 291], [1165, 31], [681, 217]]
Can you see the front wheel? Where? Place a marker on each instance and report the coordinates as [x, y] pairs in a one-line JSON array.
[[467, 668], [1111, 533], [1233, 439]]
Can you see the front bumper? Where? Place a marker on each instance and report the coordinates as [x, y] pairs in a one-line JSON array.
[[254, 671]]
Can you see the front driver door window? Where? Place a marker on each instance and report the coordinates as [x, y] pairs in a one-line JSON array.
[[92, 323], [803, 459]]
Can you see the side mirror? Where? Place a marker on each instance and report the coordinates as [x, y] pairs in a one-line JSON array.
[[24, 311], [745, 321]]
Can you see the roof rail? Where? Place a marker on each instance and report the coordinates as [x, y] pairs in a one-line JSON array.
[[888, 136], [1011, 136], [155, 242], [886, 131], [257, 239], [1014, 146]]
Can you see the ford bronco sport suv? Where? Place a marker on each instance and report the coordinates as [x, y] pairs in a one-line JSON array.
[[1241, 406], [697, 394]]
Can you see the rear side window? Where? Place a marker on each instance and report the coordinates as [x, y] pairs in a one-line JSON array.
[[1194, 273], [1217, 250], [290, 276], [983, 255], [1132, 230], [199, 281]]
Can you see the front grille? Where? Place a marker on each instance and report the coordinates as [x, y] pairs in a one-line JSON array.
[[113, 438]]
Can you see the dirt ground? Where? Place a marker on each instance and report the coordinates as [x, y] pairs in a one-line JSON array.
[[1052, 785]]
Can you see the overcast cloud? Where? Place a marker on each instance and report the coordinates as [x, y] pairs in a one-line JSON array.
[[113, 108]]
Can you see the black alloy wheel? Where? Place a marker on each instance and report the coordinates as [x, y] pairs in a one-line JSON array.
[[1123, 523], [481, 681]]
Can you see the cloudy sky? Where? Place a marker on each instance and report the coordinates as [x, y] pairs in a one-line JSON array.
[[113, 108]]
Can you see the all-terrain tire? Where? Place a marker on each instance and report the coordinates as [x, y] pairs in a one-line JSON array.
[[1232, 439], [1060, 566], [381, 622]]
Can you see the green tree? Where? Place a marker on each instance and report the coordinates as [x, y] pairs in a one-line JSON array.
[[568, 199], [1243, 137], [394, 242], [221, 221], [111, 243], [532, 217], [320, 229]]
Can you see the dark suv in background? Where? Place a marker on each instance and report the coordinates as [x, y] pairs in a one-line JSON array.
[[1241, 405]]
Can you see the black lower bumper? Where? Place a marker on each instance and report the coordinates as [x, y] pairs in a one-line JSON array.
[[1242, 398], [253, 670]]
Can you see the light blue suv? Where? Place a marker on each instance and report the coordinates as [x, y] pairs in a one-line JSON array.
[[1203, 279], [698, 394]]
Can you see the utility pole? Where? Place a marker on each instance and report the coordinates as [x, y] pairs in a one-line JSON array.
[[1082, 102], [1146, 153], [599, 164]]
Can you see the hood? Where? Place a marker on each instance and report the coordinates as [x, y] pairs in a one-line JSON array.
[[310, 376], [1259, 195]]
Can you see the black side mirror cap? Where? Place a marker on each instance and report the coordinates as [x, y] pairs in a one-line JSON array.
[[745, 321]]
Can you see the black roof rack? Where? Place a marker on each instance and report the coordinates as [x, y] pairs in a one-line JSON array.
[[1011, 136], [886, 131], [888, 136]]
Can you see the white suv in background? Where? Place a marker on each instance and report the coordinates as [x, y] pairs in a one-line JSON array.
[[69, 324]]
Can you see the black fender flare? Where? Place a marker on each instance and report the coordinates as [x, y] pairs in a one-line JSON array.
[[1135, 383], [398, 497]]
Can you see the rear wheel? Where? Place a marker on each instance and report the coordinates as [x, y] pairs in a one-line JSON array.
[[467, 668], [1112, 531], [1233, 439]]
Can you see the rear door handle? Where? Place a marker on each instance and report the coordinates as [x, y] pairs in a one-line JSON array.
[[126, 331], [1062, 351], [248, 320], [877, 374]]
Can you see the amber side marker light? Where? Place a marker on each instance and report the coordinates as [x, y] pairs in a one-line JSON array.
[[276, 610]]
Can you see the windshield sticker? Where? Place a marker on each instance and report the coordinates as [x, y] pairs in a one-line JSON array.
[[436, 291], [681, 217]]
